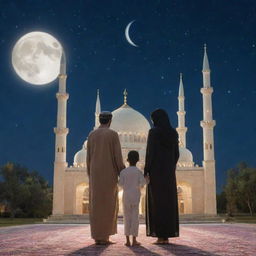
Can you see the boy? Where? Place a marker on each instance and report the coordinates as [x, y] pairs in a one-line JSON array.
[[131, 179]]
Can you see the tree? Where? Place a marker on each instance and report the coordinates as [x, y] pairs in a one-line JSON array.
[[246, 187], [221, 202], [25, 194], [231, 192], [240, 189]]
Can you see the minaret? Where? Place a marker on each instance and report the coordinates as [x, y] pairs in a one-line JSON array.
[[97, 111], [181, 129], [208, 140], [61, 132]]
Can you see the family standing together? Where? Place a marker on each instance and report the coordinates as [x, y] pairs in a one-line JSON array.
[[106, 171]]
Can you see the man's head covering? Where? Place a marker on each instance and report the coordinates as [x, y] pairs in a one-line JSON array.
[[105, 115]]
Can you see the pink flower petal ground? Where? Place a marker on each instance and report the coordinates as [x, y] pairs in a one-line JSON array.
[[195, 239]]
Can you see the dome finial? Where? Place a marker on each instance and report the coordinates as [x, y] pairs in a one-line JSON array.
[[125, 96]]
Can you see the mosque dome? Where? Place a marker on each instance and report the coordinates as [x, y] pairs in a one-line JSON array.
[[186, 158], [126, 119], [80, 158]]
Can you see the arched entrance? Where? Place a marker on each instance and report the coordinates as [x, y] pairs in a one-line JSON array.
[[120, 203], [82, 199], [141, 206], [142, 209], [184, 198]]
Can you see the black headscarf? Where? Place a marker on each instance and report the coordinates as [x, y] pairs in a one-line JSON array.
[[161, 120]]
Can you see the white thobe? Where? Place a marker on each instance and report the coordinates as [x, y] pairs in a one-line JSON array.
[[131, 179]]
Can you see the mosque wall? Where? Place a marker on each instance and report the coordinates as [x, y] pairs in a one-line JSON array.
[[191, 181], [190, 184], [76, 181]]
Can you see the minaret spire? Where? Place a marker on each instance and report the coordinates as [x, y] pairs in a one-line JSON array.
[[97, 110], [181, 129], [61, 132], [208, 140], [181, 89], [206, 70], [206, 66]]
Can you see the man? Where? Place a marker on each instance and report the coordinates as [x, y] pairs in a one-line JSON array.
[[104, 163]]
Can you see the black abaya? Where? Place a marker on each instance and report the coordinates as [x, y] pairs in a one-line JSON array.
[[162, 219]]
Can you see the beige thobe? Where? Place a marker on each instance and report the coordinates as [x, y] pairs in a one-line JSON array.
[[104, 163]]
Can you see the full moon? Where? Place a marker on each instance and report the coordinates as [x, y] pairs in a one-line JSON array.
[[36, 58]]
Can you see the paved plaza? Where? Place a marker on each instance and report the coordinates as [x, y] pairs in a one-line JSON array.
[[74, 239]]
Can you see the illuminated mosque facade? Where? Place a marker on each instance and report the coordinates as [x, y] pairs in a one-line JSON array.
[[196, 184]]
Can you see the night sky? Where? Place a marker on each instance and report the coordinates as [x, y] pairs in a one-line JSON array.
[[170, 35]]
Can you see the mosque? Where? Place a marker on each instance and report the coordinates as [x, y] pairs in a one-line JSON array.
[[196, 184]]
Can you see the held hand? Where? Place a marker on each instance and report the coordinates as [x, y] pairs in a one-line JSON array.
[[147, 179]]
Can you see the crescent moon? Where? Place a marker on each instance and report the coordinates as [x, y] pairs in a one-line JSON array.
[[127, 36]]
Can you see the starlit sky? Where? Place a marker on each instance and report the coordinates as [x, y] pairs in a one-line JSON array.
[[170, 36]]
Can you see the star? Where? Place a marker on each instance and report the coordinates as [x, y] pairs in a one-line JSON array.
[[162, 77], [228, 91], [186, 33]]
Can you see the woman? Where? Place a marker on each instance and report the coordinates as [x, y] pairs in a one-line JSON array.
[[162, 217]]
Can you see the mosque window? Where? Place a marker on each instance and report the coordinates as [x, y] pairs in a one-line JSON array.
[[210, 146], [62, 149], [58, 149]]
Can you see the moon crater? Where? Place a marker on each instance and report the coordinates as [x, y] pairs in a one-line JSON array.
[[36, 58]]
